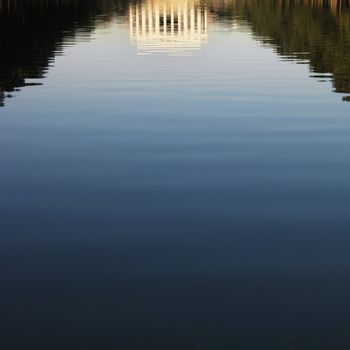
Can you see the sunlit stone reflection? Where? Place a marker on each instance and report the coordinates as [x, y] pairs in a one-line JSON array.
[[170, 26]]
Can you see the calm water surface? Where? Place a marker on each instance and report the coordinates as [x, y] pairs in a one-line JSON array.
[[174, 175]]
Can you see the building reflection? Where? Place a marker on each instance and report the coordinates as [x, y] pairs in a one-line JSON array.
[[171, 26], [317, 32]]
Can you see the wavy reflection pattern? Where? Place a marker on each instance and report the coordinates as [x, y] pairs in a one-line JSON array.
[[175, 27], [315, 32]]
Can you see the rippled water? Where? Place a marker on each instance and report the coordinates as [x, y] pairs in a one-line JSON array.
[[174, 174]]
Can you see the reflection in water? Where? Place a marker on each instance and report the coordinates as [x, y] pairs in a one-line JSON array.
[[166, 202], [34, 32], [316, 32], [175, 26]]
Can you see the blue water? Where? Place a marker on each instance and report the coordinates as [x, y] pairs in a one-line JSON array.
[[156, 198]]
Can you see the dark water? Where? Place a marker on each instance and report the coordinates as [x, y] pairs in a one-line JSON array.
[[174, 175]]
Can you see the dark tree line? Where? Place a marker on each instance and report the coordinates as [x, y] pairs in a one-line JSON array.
[[34, 32], [312, 31]]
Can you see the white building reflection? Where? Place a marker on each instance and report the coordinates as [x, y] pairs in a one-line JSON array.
[[171, 26]]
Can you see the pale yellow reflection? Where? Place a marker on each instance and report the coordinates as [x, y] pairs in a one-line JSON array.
[[170, 26]]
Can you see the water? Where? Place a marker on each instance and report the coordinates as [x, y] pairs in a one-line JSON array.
[[174, 175]]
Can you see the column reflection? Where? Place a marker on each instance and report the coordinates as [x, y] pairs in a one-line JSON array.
[[170, 26]]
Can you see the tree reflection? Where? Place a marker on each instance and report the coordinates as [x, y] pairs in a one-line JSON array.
[[34, 32], [316, 32]]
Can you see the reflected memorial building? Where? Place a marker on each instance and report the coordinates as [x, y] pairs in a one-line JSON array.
[[174, 27], [40, 31]]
